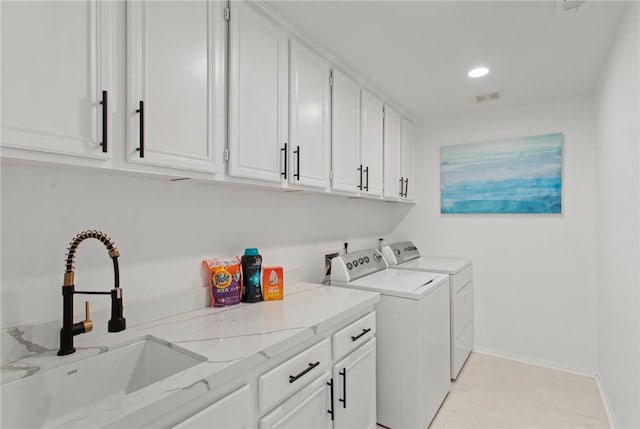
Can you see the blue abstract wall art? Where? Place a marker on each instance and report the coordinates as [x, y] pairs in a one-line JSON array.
[[522, 175]]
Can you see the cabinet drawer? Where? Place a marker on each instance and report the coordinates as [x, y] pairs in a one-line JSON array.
[[228, 412], [461, 349], [462, 309], [461, 279], [293, 374], [353, 336], [309, 408]]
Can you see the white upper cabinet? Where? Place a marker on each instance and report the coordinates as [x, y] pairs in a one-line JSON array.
[[309, 121], [408, 159], [357, 139], [55, 80], [371, 110], [393, 184], [174, 113], [258, 95], [345, 132], [212, 90]]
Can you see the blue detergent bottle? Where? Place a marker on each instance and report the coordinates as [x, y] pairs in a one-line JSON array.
[[251, 275]]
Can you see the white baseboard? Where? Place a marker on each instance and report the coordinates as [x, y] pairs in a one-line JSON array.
[[606, 402], [588, 372]]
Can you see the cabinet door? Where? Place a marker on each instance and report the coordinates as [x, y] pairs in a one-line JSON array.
[[228, 412], [354, 381], [309, 408], [172, 96], [258, 60], [371, 144], [310, 98], [408, 158], [55, 67], [392, 138], [345, 133]]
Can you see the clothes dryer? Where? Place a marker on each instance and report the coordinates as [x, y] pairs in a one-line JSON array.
[[405, 256]]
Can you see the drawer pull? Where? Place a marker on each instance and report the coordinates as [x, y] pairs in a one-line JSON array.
[[140, 111], [330, 384], [366, 172], [286, 155], [105, 118], [364, 332], [297, 154], [293, 378], [343, 373]]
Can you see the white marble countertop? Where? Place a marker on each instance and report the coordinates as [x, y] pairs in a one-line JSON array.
[[230, 340]]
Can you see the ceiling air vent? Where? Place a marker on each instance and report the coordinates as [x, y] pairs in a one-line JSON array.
[[571, 4], [491, 96]]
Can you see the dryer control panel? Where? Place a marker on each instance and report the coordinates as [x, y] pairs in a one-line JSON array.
[[397, 253], [347, 268]]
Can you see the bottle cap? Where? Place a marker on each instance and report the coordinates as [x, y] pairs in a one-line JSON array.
[[251, 251]]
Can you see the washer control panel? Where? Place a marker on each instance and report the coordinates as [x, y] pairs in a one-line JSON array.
[[346, 268], [397, 253]]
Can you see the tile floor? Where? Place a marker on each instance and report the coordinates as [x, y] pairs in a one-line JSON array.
[[499, 393]]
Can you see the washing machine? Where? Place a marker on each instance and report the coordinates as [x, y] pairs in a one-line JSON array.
[[406, 256], [412, 323]]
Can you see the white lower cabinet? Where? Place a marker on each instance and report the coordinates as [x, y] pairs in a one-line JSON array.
[[228, 412], [309, 408], [340, 395], [328, 384], [291, 375], [354, 388]]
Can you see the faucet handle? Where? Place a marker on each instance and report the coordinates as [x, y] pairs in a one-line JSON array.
[[87, 322]]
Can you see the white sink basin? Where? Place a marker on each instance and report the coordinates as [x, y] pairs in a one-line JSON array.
[[48, 396]]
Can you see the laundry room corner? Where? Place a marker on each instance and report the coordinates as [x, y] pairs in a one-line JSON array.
[[534, 274]]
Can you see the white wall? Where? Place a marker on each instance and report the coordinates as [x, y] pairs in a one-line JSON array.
[[534, 275], [163, 231], [618, 155]]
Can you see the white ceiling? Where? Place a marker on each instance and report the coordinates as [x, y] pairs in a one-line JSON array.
[[418, 52]]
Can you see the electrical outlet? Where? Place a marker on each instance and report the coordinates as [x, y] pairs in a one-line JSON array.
[[328, 256]]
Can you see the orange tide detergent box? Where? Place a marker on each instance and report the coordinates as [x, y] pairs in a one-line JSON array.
[[225, 281], [272, 283]]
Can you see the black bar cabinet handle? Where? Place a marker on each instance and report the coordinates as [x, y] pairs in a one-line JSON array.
[[293, 378], [297, 153], [402, 186], [286, 155], [343, 373], [366, 171], [364, 332], [406, 187], [330, 384], [360, 170], [141, 112], [105, 118]]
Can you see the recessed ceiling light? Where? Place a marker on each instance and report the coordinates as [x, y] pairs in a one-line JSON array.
[[478, 72]]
